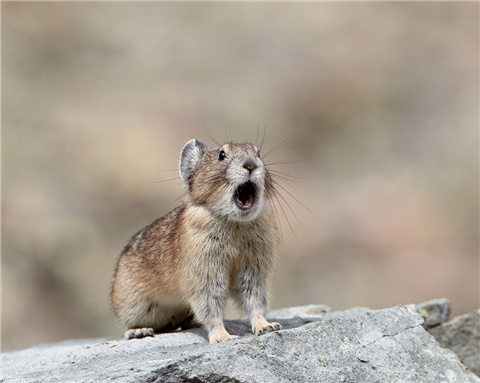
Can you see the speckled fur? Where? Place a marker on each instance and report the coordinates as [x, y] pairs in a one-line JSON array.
[[188, 261]]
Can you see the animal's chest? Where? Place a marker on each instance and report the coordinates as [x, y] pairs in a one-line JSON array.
[[232, 243], [235, 243]]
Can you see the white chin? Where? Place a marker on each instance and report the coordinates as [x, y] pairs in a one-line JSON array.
[[246, 215]]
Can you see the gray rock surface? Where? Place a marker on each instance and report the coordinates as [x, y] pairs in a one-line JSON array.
[[462, 336], [306, 311], [435, 312], [356, 345]]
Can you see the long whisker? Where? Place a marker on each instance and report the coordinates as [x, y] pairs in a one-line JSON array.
[[263, 138], [167, 170], [226, 131], [217, 184], [175, 200], [289, 207], [276, 201], [210, 134], [296, 199], [258, 131], [284, 213], [287, 181], [162, 181], [274, 205], [288, 177], [275, 147], [287, 162]]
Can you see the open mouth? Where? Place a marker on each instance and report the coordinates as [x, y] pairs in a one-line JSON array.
[[245, 195]]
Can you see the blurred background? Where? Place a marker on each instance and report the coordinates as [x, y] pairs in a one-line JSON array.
[[371, 109]]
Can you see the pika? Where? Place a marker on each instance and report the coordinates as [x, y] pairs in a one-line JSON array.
[[179, 270]]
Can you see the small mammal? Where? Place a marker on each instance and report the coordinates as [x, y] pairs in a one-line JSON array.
[[222, 239]]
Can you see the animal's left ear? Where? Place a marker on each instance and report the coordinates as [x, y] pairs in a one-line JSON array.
[[189, 157]]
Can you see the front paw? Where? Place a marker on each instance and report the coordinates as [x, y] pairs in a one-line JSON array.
[[139, 333], [220, 335], [267, 327], [223, 338]]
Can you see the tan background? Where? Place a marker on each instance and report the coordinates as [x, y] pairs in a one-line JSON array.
[[375, 106]]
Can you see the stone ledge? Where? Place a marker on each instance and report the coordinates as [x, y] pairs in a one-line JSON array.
[[358, 345]]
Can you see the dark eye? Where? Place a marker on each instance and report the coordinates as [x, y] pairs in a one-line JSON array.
[[221, 155]]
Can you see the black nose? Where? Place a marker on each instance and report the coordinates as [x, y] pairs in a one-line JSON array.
[[250, 165]]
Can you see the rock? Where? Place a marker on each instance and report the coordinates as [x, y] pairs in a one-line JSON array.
[[462, 336], [356, 345], [435, 312], [306, 311]]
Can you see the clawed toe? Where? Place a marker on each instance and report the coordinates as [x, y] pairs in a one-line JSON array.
[[274, 326], [135, 333], [219, 334], [223, 339]]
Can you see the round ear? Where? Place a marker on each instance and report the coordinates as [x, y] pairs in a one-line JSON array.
[[189, 157]]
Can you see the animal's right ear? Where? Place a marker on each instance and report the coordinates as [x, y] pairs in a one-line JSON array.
[[189, 157]]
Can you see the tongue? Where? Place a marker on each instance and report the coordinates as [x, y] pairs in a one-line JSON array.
[[245, 195], [246, 200]]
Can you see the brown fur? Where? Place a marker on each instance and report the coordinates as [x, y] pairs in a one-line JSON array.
[[189, 260]]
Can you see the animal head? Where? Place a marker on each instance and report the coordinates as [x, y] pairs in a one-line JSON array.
[[231, 180]]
